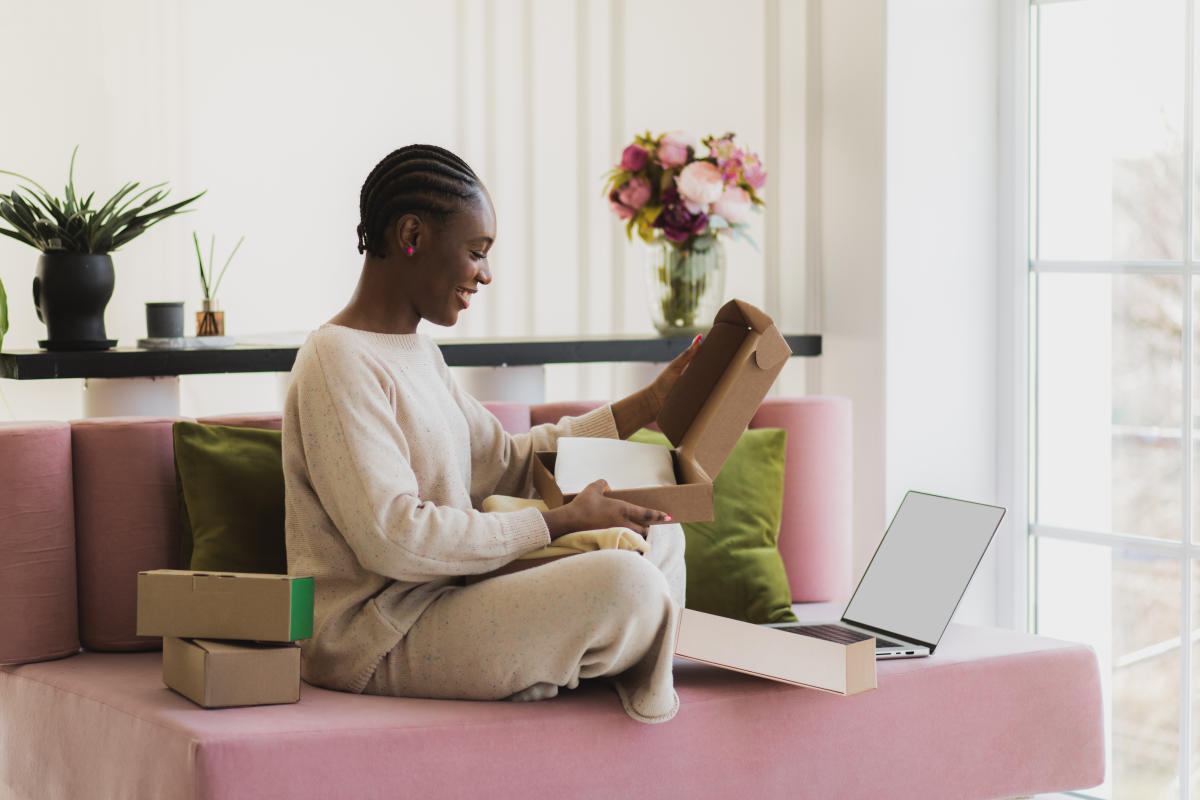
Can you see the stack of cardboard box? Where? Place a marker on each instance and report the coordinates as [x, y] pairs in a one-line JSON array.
[[228, 638]]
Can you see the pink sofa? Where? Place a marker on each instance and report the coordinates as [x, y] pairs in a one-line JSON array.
[[84, 506]]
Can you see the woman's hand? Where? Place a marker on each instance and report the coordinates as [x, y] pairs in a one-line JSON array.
[[592, 509], [642, 407]]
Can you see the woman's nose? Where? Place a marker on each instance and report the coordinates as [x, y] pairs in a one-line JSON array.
[[484, 275]]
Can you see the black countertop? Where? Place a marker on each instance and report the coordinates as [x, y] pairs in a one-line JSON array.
[[133, 362]]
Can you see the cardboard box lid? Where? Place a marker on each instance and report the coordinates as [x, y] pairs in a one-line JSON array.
[[714, 400]]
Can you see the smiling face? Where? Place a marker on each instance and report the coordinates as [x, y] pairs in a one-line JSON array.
[[449, 261]]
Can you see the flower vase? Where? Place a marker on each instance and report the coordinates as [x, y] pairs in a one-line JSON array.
[[685, 283]]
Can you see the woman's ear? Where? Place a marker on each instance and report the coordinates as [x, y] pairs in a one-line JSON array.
[[406, 234]]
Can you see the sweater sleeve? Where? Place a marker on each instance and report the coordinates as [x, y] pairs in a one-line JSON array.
[[358, 464], [501, 463]]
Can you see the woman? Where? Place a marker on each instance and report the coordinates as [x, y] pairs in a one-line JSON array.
[[386, 462]]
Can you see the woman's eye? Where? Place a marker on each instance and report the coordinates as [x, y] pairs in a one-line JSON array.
[[478, 256]]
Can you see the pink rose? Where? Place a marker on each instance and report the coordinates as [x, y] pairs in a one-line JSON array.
[[753, 172], [733, 205], [699, 185], [633, 158], [673, 148], [625, 201], [617, 208], [635, 193]]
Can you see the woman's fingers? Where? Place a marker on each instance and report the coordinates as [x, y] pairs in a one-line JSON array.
[[645, 516], [680, 362], [599, 511]]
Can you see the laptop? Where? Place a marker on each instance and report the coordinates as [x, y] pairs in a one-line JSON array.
[[916, 578]]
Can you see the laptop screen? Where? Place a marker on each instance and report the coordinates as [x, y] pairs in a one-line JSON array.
[[922, 566]]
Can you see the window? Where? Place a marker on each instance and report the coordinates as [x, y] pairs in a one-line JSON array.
[[1115, 303]]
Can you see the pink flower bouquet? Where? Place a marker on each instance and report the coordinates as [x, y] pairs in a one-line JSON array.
[[664, 188]]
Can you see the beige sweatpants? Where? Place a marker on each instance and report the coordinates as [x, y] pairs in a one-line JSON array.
[[524, 635]]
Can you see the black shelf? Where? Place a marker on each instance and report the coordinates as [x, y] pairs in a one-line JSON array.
[[133, 362]]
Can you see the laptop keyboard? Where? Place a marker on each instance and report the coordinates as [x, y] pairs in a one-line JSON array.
[[836, 633]]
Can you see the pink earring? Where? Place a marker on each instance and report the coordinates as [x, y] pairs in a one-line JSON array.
[[409, 251]]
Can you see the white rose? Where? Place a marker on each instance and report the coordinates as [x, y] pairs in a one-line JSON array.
[[700, 185], [733, 205]]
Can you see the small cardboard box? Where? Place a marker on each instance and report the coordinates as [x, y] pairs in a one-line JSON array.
[[217, 674], [704, 415], [778, 655], [224, 605]]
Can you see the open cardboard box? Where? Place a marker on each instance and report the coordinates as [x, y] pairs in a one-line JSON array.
[[224, 605], [778, 655], [704, 415]]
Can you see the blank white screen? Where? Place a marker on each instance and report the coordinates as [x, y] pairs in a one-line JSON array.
[[923, 566]]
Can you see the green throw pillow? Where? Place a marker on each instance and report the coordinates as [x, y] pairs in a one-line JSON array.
[[733, 564], [230, 484]]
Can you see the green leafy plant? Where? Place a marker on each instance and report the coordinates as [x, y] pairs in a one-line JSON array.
[[71, 224], [206, 276]]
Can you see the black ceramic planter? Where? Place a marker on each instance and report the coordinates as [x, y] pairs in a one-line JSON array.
[[71, 291]]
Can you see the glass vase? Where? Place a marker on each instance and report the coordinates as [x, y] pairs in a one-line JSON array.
[[685, 285]]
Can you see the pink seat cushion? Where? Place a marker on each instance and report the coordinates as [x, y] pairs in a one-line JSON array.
[[992, 714], [37, 542], [126, 520]]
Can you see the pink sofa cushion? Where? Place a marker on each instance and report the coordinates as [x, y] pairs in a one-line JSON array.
[[815, 529], [126, 520], [514, 417], [38, 607], [992, 714], [127, 510]]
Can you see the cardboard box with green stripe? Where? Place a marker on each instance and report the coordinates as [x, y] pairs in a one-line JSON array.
[[224, 605], [227, 636]]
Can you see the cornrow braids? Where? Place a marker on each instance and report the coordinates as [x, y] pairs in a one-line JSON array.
[[419, 178]]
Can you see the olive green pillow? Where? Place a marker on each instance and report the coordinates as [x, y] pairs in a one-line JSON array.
[[230, 483], [733, 564]]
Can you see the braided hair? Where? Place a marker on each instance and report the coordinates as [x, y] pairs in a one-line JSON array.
[[419, 178]]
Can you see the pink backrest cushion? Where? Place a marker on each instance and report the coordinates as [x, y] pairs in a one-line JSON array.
[[814, 531], [514, 417], [126, 520], [127, 515], [38, 609]]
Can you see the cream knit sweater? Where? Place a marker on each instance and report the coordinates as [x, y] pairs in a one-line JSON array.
[[385, 462]]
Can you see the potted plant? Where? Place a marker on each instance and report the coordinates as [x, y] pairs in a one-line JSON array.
[[210, 320], [75, 277], [682, 205]]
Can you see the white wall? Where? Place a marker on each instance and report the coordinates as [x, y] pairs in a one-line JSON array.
[[853, 144], [909, 254], [279, 110], [941, 218]]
